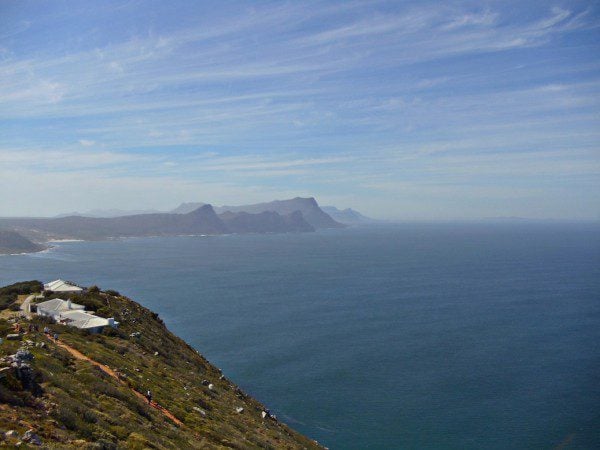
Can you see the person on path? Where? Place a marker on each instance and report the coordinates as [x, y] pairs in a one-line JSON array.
[[149, 396], [56, 337]]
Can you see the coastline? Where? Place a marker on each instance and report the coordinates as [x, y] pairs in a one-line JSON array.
[[188, 392], [45, 249]]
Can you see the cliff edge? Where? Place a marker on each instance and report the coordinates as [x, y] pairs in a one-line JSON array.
[[89, 390]]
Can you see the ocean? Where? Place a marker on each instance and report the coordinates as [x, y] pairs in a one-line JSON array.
[[422, 336]]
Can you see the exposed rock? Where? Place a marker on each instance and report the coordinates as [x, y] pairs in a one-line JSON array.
[[239, 410], [13, 337], [19, 362], [200, 410], [32, 438], [11, 434], [22, 356]]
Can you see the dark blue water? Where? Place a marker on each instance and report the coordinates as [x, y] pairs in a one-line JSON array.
[[413, 336]]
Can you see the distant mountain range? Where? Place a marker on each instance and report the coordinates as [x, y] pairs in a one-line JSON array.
[[110, 213], [280, 216], [309, 208]]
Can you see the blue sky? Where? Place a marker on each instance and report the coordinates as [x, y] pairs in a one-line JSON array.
[[405, 110]]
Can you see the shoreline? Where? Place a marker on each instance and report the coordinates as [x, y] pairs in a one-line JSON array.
[[45, 249]]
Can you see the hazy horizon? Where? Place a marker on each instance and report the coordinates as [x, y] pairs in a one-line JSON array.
[[112, 212], [402, 111]]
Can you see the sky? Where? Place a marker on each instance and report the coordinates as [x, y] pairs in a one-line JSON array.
[[408, 110]]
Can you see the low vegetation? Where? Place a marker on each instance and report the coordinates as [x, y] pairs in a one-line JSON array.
[[70, 402], [9, 294]]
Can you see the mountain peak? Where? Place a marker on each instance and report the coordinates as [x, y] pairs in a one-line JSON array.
[[205, 208], [187, 207], [305, 200]]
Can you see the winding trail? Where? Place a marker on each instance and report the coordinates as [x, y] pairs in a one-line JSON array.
[[110, 372]]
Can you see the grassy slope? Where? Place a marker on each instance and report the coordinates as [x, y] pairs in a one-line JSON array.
[[81, 405]]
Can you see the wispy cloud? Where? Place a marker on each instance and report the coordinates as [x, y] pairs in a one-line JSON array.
[[344, 96]]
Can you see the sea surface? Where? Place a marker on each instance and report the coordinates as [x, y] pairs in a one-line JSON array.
[[418, 336]]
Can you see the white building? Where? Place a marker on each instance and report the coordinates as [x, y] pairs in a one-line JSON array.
[[86, 321], [68, 313], [53, 308], [61, 286]]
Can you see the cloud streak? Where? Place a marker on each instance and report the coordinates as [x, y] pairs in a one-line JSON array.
[[305, 98]]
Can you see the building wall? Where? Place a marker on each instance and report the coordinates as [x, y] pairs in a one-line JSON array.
[[44, 312]]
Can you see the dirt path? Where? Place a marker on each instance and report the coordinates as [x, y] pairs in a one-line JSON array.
[[8, 313], [25, 305], [78, 355]]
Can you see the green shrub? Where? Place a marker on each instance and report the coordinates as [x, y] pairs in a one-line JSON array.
[[8, 397], [8, 294], [90, 416], [22, 288], [67, 417]]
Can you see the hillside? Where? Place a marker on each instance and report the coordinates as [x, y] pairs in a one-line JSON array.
[[307, 206], [265, 222], [59, 396], [202, 220], [13, 242], [347, 216]]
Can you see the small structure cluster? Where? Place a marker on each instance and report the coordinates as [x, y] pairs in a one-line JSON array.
[[68, 313]]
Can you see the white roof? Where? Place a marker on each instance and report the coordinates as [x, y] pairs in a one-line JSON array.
[[61, 286], [82, 319], [59, 305]]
